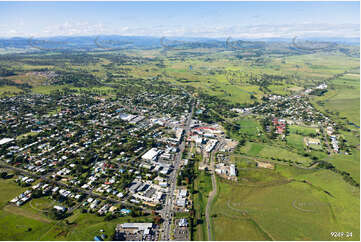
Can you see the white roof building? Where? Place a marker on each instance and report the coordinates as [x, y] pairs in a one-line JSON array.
[[139, 226], [232, 170], [183, 222], [5, 140], [183, 193], [210, 145], [181, 202], [151, 154], [60, 208]]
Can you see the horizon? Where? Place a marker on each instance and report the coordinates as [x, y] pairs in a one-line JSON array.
[[181, 37], [247, 20]]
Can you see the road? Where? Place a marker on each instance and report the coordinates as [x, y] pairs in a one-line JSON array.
[[330, 150], [167, 212], [212, 194]]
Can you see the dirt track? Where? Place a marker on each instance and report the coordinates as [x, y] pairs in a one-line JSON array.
[[212, 194]]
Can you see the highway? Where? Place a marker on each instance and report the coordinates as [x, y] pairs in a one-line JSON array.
[[167, 212]]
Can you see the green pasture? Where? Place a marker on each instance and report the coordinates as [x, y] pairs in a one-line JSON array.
[[272, 151], [296, 141], [9, 90], [202, 187], [283, 209], [305, 131]]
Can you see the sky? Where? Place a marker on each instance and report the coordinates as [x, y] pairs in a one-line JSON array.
[[181, 19]]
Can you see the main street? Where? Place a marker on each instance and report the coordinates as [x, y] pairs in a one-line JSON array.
[[167, 212]]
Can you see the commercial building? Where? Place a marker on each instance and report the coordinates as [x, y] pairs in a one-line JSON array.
[[151, 155], [136, 226]]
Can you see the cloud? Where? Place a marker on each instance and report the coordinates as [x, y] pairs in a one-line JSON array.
[[72, 29], [306, 29]]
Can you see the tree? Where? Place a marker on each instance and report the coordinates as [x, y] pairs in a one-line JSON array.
[[55, 214], [109, 217], [157, 219], [3, 174], [36, 194]]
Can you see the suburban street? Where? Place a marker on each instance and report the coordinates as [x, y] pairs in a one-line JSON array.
[[52, 181]]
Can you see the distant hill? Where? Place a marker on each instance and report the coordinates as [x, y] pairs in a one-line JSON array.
[[116, 42]]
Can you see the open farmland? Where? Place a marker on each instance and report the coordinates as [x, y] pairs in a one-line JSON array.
[[273, 152], [291, 205]]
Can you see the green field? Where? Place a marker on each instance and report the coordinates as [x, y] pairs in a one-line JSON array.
[[16, 221], [255, 149], [47, 89], [249, 126], [16, 227], [202, 187], [268, 206], [306, 131], [276, 152], [296, 141], [348, 163], [9, 90], [343, 100]]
